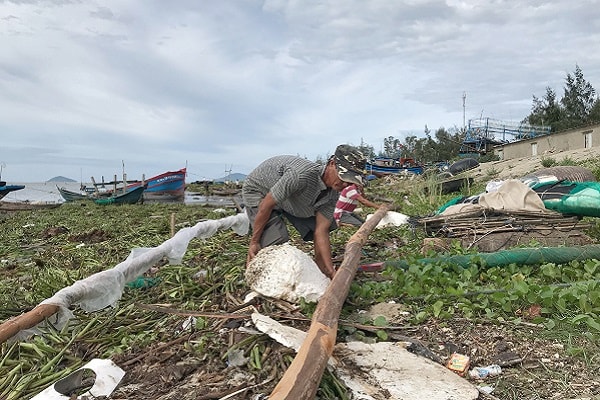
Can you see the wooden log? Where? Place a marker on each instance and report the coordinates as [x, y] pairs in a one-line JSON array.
[[95, 185], [302, 378], [25, 321]]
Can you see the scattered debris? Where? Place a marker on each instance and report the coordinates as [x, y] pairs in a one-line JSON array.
[[386, 370], [485, 372], [380, 371], [458, 363]]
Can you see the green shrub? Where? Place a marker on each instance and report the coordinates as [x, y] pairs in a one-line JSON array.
[[489, 157], [567, 161], [548, 162], [492, 172]]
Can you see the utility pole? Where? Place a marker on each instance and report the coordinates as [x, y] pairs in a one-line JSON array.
[[464, 97]]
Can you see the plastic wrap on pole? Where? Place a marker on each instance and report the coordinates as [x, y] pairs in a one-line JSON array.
[[106, 288], [521, 256]]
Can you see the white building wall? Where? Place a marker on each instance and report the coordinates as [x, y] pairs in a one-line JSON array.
[[547, 144]]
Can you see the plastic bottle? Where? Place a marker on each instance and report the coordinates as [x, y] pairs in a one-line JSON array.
[[485, 372]]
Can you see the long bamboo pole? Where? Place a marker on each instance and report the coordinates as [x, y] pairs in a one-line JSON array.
[[302, 378], [25, 321]]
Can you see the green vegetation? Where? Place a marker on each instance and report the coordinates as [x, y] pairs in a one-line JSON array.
[[492, 173], [548, 162], [579, 105], [560, 302], [567, 161]]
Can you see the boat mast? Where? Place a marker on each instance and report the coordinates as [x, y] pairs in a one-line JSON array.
[[124, 177]]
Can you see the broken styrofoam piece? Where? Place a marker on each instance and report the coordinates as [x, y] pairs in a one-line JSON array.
[[391, 218], [386, 370], [108, 376], [377, 371], [251, 296], [286, 272], [286, 335]]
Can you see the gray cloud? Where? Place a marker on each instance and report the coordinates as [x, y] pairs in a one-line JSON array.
[[85, 86]]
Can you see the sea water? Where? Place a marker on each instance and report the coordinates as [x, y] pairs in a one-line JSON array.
[[47, 192], [40, 192]]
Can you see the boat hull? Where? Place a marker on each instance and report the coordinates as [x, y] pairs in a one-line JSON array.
[[168, 186], [131, 197], [380, 171], [6, 189], [69, 196]]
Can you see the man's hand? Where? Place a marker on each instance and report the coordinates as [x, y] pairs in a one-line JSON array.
[[266, 205], [323, 246], [330, 273], [253, 250]]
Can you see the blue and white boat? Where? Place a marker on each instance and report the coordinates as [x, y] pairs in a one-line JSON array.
[[381, 166], [168, 186]]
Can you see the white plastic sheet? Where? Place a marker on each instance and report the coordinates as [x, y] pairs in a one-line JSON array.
[[106, 288]]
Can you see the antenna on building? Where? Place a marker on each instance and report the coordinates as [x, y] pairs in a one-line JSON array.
[[464, 97]]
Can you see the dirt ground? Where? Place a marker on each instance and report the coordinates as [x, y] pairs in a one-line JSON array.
[[532, 367], [519, 167]]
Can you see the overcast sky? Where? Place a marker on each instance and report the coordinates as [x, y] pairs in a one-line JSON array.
[[86, 86]]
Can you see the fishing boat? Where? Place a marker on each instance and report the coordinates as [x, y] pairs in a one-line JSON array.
[[69, 195], [168, 186], [382, 166], [84, 194], [6, 189], [130, 197]]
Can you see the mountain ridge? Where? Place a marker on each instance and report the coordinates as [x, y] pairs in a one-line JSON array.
[[231, 178], [61, 179]]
